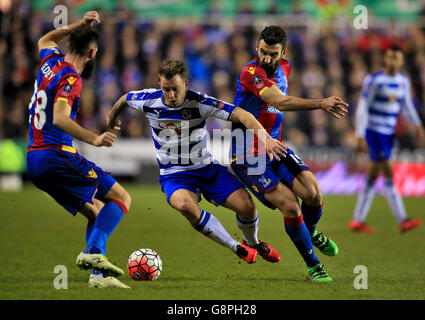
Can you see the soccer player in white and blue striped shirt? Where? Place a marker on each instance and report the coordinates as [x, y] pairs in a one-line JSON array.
[[384, 95], [187, 169]]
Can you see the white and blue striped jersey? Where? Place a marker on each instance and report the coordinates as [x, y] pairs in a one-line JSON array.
[[382, 98], [179, 133]]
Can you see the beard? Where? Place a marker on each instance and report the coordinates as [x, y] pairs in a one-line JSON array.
[[270, 69], [88, 69]]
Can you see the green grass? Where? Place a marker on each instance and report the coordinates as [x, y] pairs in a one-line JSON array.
[[36, 234]]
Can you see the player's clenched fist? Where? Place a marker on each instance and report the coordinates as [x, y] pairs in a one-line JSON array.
[[90, 17], [106, 139]]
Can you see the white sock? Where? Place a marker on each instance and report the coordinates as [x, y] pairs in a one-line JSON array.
[[209, 226], [364, 201], [395, 201], [249, 229]]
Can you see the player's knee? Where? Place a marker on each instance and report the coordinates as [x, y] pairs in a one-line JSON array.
[[126, 199], [314, 197], [246, 208], [290, 209], [185, 206]]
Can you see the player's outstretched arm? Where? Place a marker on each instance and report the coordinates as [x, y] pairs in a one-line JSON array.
[[53, 37], [333, 105], [61, 119], [119, 107], [274, 147]]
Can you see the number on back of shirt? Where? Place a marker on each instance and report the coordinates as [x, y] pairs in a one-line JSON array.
[[40, 100]]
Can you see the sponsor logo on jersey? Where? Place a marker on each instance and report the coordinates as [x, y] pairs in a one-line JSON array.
[[171, 126], [272, 109], [251, 70]]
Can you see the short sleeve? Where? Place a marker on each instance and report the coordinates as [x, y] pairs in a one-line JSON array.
[[134, 100], [254, 79], [48, 51], [68, 89], [212, 107]]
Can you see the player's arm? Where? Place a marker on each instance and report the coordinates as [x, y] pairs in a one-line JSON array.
[[275, 97], [273, 146], [54, 37], [119, 107], [62, 120], [411, 113], [360, 124]]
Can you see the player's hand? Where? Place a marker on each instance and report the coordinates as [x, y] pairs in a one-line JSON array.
[[361, 146], [335, 106], [275, 148], [420, 133], [90, 17], [113, 124], [106, 139]]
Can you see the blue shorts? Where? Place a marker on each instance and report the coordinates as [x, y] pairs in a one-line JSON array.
[[68, 177], [275, 171], [213, 181], [379, 145]]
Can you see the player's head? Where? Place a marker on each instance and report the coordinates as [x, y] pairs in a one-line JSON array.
[[83, 43], [172, 77], [393, 59], [271, 47]]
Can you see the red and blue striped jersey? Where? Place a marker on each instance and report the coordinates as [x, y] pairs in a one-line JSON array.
[[56, 80], [251, 84]]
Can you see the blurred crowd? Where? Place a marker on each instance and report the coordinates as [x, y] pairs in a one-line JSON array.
[[325, 61]]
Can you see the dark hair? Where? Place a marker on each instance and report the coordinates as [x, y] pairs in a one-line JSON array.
[[171, 68], [81, 38], [273, 35], [395, 47]]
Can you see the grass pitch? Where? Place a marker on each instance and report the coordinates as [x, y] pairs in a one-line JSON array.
[[36, 235]]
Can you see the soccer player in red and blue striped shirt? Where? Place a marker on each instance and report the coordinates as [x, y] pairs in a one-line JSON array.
[[54, 166], [262, 90]]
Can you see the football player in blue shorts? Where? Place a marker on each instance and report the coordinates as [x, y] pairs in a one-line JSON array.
[[187, 169], [384, 95], [57, 168], [262, 89]]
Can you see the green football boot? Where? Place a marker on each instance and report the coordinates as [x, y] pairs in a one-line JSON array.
[[324, 244], [318, 274]]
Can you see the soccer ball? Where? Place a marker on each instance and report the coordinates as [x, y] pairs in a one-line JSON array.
[[144, 264]]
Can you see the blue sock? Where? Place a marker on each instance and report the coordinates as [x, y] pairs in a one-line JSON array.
[[89, 230], [106, 222], [311, 216], [298, 232]]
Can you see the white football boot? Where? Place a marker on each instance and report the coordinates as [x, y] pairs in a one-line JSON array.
[[98, 262], [106, 282]]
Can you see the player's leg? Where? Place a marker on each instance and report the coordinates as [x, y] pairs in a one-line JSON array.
[[186, 202], [364, 200], [117, 201], [98, 278], [286, 201], [297, 176], [307, 188], [395, 200], [90, 211], [247, 220]]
